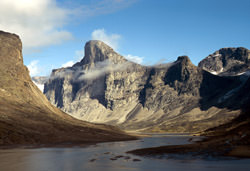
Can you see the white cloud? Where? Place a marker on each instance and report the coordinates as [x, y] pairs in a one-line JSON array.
[[110, 39], [135, 59], [33, 68], [37, 22], [100, 69], [41, 22], [68, 64]]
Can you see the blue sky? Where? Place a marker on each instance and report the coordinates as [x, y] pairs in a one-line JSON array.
[[148, 31]]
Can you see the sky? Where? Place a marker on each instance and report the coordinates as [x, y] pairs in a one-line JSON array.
[[148, 32]]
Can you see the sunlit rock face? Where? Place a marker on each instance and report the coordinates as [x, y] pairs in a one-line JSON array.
[[104, 87]]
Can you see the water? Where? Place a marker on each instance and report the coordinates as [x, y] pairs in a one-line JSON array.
[[112, 157]]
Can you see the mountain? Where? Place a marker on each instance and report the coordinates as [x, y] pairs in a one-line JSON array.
[[104, 87], [227, 61], [230, 139], [28, 118]]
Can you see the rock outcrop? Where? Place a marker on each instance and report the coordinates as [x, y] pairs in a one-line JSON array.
[[227, 61], [27, 117], [178, 97]]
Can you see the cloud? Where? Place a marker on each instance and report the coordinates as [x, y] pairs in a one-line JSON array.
[[41, 23], [38, 22], [33, 68], [135, 59], [110, 39], [68, 64], [100, 69]]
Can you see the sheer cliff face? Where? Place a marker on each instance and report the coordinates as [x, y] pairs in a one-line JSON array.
[[27, 117], [227, 61], [178, 97]]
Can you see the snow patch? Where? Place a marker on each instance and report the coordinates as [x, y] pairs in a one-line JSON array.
[[213, 72], [247, 73], [216, 55], [216, 73]]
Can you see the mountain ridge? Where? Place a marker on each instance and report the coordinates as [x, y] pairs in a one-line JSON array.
[[173, 97]]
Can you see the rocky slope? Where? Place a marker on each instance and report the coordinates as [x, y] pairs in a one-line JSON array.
[[230, 139], [178, 97], [27, 117]]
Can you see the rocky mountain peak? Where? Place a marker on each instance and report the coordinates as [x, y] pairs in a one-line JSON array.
[[97, 51], [227, 61], [184, 60], [12, 42], [172, 97], [240, 53], [11, 65], [183, 75]]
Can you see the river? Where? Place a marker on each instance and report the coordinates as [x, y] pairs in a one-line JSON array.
[[112, 157]]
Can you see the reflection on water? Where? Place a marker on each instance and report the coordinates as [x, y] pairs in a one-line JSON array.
[[110, 157]]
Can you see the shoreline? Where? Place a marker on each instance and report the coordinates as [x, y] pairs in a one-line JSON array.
[[65, 144], [199, 148]]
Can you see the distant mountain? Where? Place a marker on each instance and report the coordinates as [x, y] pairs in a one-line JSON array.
[[28, 118], [104, 87]]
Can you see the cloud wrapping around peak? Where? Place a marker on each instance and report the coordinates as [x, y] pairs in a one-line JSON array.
[[100, 69], [110, 39]]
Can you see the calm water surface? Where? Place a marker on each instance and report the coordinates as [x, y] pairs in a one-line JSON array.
[[112, 157]]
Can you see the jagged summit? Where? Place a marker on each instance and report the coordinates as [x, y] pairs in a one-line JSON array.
[[227, 61], [97, 51], [184, 60], [174, 97]]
